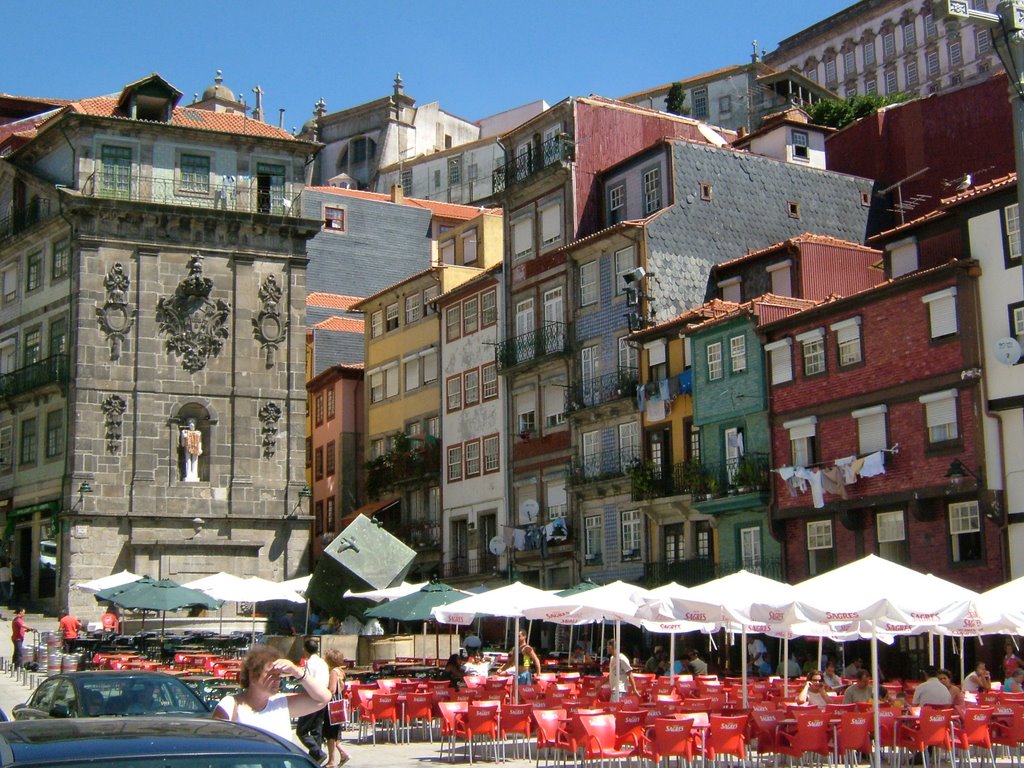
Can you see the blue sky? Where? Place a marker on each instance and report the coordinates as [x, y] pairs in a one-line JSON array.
[[475, 58]]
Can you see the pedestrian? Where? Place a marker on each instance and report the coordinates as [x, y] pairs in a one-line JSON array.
[[6, 585], [18, 630], [111, 621], [310, 728], [286, 624], [336, 756], [620, 672], [69, 628], [529, 663]]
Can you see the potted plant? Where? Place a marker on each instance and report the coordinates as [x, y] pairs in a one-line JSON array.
[[748, 476]]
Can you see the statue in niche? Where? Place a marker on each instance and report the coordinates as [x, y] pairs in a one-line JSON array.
[[192, 446]]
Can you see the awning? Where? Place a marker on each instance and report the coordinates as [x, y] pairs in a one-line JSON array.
[[369, 510]]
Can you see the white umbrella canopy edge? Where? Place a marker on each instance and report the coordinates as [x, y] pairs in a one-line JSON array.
[[106, 582], [388, 593]]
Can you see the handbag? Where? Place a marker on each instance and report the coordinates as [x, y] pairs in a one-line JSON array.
[[337, 711]]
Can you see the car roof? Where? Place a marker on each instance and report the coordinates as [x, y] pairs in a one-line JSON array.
[[52, 742]]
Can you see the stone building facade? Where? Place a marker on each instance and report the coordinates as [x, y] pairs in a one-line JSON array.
[[156, 304]]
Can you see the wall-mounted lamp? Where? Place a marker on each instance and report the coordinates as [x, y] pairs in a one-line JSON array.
[[304, 495], [958, 473], [83, 489]]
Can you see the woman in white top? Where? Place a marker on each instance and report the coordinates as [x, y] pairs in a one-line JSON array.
[[979, 680], [261, 703], [813, 691]]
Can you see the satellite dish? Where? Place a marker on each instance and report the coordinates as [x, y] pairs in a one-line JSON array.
[[711, 135], [496, 545], [529, 510], [1008, 350]]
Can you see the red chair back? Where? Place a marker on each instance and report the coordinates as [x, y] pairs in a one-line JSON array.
[[482, 719], [629, 727], [764, 724], [696, 705], [387, 683], [597, 735], [811, 735], [548, 722], [384, 706], [974, 727], [517, 718], [418, 706], [672, 738], [854, 732], [932, 730], [727, 736]]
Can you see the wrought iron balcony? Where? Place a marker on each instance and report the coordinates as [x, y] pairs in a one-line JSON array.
[[475, 565], [231, 194], [411, 461], [747, 474], [419, 533], [53, 370], [603, 465], [601, 389], [699, 570], [21, 219], [549, 339], [533, 160]]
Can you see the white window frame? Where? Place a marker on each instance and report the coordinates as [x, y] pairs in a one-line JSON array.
[[819, 535], [891, 534], [1018, 321], [550, 223], [699, 100], [802, 433], [652, 190], [780, 357], [377, 324], [391, 317], [522, 237], [941, 415], [489, 381], [471, 387], [413, 372], [848, 346], [447, 251], [888, 44], [964, 519], [871, 428], [813, 351], [334, 223], [376, 378], [469, 251], [942, 311], [453, 393], [391, 388], [429, 365], [593, 538], [629, 525], [470, 315], [413, 308], [589, 275], [714, 359], [453, 322], [750, 548], [488, 308], [629, 355], [625, 261], [629, 444], [471, 451], [1011, 229], [868, 52], [738, 353], [492, 454], [590, 452], [454, 463]]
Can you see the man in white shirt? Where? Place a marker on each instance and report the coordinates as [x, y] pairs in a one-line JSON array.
[[309, 729], [475, 663], [620, 672], [933, 691]]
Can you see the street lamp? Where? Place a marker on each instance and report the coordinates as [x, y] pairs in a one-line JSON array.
[[958, 473]]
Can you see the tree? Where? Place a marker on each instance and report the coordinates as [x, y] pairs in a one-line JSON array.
[[838, 113], [675, 102]]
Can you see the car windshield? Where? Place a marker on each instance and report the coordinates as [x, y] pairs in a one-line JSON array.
[[138, 696]]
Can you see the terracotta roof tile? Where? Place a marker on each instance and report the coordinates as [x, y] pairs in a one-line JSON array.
[[709, 309], [751, 307], [341, 324], [331, 300], [444, 210]]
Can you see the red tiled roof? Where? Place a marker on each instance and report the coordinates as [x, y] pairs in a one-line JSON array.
[[768, 300], [341, 324], [444, 210], [709, 309], [331, 300], [806, 237]]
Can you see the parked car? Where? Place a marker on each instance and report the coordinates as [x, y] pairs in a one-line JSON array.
[[108, 693], [209, 688], [169, 742]]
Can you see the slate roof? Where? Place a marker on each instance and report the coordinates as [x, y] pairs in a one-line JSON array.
[[444, 210], [709, 309]]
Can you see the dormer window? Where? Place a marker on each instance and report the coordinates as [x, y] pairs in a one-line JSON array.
[[800, 145]]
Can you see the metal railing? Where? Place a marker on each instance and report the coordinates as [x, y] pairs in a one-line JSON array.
[[603, 465], [549, 339], [419, 534], [21, 219], [49, 371], [699, 570], [475, 565], [746, 474], [601, 389], [526, 163], [229, 194]]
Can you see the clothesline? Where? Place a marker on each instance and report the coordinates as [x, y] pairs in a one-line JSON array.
[[833, 476], [894, 450]]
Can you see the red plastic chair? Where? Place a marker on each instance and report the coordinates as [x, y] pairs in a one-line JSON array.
[[481, 720], [763, 727], [974, 731], [361, 706], [419, 707], [853, 735], [517, 720], [387, 683], [726, 736], [629, 727], [1007, 729], [932, 730], [597, 738], [671, 738], [810, 737], [384, 709], [549, 723], [695, 705], [451, 713]]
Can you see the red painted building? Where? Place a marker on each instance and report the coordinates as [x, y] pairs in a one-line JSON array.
[[889, 375]]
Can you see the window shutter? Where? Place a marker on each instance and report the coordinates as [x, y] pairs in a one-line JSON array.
[[871, 430], [430, 366], [412, 373], [801, 428], [939, 412], [391, 374], [943, 316], [655, 352], [550, 224], [847, 331], [781, 355], [782, 280], [522, 236], [526, 402], [554, 401]]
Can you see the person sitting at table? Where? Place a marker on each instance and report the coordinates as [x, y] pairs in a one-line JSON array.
[[651, 665], [697, 665], [956, 694], [528, 661], [111, 622], [813, 691], [579, 655], [833, 682], [979, 680], [860, 690], [935, 690], [1015, 682], [476, 664], [850, 670], [454, 672], [790, 668]]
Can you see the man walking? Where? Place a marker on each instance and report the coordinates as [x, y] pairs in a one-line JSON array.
[[310, 728], [69, 629], [18, 630]]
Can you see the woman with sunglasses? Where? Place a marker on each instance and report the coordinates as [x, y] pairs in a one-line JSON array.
[[813, 691]]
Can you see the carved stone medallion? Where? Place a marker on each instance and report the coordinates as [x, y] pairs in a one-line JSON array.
[[195, 325], [269, 328], [114, 317]]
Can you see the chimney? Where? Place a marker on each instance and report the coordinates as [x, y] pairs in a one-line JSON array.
[[397, 193]]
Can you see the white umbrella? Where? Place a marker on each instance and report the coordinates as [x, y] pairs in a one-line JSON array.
[[388, 593], [656, 617], [228, 587], [106, 582], [300, 585]]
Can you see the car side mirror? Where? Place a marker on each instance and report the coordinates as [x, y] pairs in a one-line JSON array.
[[60, 710]]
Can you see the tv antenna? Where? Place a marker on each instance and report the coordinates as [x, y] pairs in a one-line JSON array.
[[903, 206]]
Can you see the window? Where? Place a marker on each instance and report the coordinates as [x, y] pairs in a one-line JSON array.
[[588, 283], [911, 73], [391, 317], [942, 312], [376, 386], [714, 353], [813, 343], [60, 259], [331, 520], [930, 30], [54, 434], [58, 337], [330, 404], [692, 434], [707, 191], [725, 105], [489, 376], [631, 535], [781, 275], [488, 308], [526, 412], [617, 204], [470, 316], [820, 555], [812, 73], [592, 535], [700, 103], [931, 59], [731, 289], [115, 171], [956, 54], [413, 370], [750, 549], [377, 448], [492, 459], [33, 271], [629, 444], [469, 247], [448, 251], [10, 285], [888, 44], [909, 35], [940, 416], [628, 356], [318, 463], [869, 52], [6, 446], [454, 463], [982, 40], [429, 366], [891, 82], [454, 392], [801, 440], [195, 174], [522, 237], [31, 349], [780, 357], [871, 435], [625, 261], [1011, 232], [1017, 320], [406, 181], [892, 537], [319, 409], [551, 224], [453, 322], [702, 537], [738, 353], [472, 450], [432, 426], [376, 324], [391, 380], [454, 171], [652, 191], [27, 454], [870, 85], [471, 387], [848, 340], [800, 149], [413, 308], [332, 450], [831, 76], [965, 531], [849, 64]]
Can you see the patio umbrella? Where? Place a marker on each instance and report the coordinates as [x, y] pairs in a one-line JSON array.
[[388, 593], [584, 586], [162, 595], [417, 606], [106, 582], [227, 587]]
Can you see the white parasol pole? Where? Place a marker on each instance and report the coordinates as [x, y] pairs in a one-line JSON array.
[[942, 651], [672, 656], [876, 753], [515, 666], [424, 643], [961, 657], [820, 641], [616, 695], [931, 649], [785, 666], [743, 673]]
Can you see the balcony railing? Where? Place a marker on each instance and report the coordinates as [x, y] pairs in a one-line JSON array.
[[699, 570], [22, 218], [530, 161], [549, 339], [235, 194], [601, 389], [603, 465], [50, 371], [747, 474], [420, 533], [411, 461], [476, 565]]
